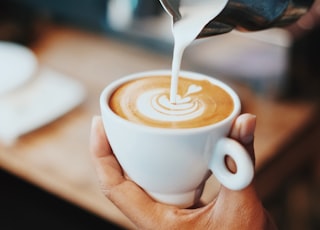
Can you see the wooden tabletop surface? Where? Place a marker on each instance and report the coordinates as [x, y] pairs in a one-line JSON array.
[[56, 156]]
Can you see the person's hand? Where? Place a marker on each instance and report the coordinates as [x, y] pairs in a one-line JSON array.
[[229, 210], [308, 22]]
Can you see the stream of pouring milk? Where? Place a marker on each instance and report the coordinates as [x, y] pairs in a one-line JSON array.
[[195, 15]]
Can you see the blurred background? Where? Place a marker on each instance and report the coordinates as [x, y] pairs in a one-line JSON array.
[[277, 65], [264, 58]]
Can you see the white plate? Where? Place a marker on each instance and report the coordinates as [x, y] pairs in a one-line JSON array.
[[50, 95], [17, 65]]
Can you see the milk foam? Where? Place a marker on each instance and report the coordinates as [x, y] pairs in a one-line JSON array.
[[156, 105], [194, 16], [147, 101]]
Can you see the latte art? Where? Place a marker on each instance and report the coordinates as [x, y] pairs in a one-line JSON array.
[[147, 101], [185, 108]]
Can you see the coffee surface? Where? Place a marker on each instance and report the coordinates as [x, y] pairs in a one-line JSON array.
[[147, 101]]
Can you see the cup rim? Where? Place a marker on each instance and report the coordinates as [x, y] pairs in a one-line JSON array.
[[110, 88]]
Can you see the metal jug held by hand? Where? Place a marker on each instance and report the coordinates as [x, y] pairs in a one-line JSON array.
[[248, 15]]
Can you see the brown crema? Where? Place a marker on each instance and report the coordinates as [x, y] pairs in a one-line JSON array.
[[206, 105]]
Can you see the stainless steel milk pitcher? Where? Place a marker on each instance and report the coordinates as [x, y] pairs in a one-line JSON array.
[[248, 15]]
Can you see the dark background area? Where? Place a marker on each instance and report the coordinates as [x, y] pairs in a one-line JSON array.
[[24, 206]]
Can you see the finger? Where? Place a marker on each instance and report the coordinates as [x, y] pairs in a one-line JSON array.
[[245, 201], [125, 194], [99, 145], [243, 128], [243, 131], [107, 167]]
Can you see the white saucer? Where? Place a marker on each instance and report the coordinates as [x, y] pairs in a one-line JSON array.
[[17, 66], [46, 98]]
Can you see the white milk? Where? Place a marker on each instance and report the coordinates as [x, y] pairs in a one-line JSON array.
[[195, 15]]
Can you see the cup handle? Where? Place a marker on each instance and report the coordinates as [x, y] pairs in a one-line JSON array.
[[245, 171]]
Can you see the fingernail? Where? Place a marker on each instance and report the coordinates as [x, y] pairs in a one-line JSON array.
[[247, 131], [247, 139], [94, 120]]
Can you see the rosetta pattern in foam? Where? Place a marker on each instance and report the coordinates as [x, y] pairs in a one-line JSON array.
[[185, 108], [147, 101]]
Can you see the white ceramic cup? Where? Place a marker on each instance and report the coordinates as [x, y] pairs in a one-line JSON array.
[[172, 165]]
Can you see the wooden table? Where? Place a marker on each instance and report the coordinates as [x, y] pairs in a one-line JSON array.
[[56, 157]]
